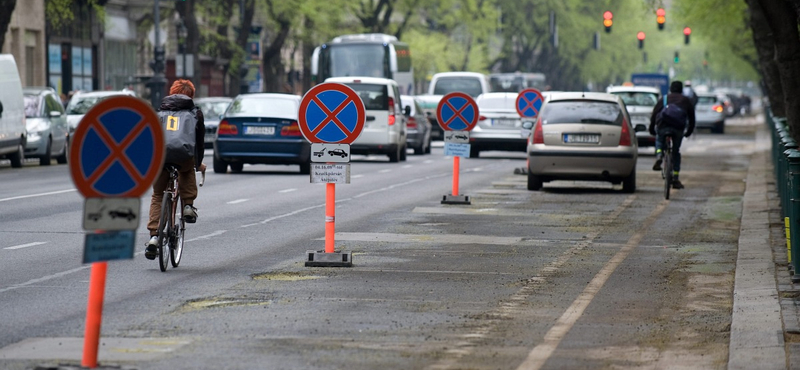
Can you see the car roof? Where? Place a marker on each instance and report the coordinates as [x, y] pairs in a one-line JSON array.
[[37, 90], [271, 95], [651, 89], [496, 95], [459, 74], [366, 80], [102, 93], [212, 99], [589, 96]]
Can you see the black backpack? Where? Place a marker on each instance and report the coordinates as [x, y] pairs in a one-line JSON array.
[[671, 116], [179, 134]]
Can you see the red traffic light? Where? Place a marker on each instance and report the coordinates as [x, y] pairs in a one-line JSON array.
[[608, 15], [687, 31], [640, 35], [661, 12]]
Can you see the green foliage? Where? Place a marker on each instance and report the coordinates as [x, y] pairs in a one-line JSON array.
[[61, 12]]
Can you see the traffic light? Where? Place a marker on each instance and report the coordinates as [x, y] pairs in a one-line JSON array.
[[686, 33], [640, 36], [677, 57], [608, 20], [159, 61], [661, 18]]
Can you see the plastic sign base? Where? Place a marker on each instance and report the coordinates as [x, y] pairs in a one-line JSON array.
[[456, 199], [335, 259]]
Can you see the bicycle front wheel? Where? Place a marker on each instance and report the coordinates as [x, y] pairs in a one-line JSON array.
[[176, 250], [165, 231]]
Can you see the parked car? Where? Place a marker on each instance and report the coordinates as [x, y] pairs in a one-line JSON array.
[[419, 127], [82, 102], [710, 112], [261, 129], [385, 129], [443, 83], [499, 125], [640, 101], [13, 130], [583, 136], [46, 124], [213, 108]]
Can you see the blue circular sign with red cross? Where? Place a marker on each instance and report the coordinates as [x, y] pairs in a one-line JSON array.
[[457, 112], [117, 149], [529, 101], [331, 113]]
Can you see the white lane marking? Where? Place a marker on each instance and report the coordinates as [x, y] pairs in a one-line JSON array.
[[408, 166], [209, 236], [287, 190], [37, 195], [44, 278], [429, 161], [237, 201], [541, 353], [400, 184], [356, 176], [25, 245], [385, 171]]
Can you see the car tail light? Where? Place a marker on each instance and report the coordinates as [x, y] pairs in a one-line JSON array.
[[625, 136], [717, 108], [538, 133], [412, 122], [292, 129], [227, 128], [392, 118], [482, 118]]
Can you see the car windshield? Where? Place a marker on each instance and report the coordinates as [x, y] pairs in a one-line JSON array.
[[81, 105], [503, 102], [256, 106], [582, 111], [373, 95], [213, 109], [467, 85], [706, 99], [637, 98], [32, 106]]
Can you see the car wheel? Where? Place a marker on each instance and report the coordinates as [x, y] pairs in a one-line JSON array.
[[305, 168], [395, 155], [629, 183], [403, 152], [428, 147], [237, 167], [420, 149], [62, 159], [534, 182], [719, 128], [18, 158], [474, 152], [220, 166], [45, 159]]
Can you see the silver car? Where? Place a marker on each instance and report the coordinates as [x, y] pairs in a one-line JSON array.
[[710, 112], [46, 125], [640, 101], [583, 136], [499, 125], [212, 108], [81, 102]]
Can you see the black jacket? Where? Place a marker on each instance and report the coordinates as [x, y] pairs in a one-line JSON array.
[[179, 102], [681, 101]]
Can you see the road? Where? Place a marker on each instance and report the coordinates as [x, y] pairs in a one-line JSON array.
[[579, 275]]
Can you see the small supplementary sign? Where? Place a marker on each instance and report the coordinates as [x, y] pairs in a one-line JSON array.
[[458, 137], [109, 246], [111, 213], [330, 173], [456, 149], [326, 153]]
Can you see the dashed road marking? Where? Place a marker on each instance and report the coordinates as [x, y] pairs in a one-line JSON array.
[[237, 201], [38, 195], [287, 190], [25, 245]]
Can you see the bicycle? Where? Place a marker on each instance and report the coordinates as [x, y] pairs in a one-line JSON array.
[[666, 169], [170, 235]]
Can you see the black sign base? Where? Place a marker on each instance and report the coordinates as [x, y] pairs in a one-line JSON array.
[[335, 259], [456, 199]]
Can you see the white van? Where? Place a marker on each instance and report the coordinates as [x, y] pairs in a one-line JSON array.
[[12, 113], [385, 125]]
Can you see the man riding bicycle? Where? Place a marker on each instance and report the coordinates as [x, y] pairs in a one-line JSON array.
[[670, 119], [184, 127]]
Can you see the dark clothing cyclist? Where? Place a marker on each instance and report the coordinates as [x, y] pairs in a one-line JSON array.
[[662, 131]]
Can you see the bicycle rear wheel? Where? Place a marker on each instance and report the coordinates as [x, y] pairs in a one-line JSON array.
[[176, 250], [165, 231], [667, 173]]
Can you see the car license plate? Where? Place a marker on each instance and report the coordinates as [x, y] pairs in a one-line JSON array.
[[259, 130], [582, 138], [503, 122]]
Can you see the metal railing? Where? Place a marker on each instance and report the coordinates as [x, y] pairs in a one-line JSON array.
[[786, 161]]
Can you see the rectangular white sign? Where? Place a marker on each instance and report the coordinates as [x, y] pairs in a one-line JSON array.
[[330, 173], [330, 153], [456, 150], [458, 137], [111, 213]]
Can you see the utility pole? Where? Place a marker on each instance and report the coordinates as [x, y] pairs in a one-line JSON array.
[[158, 81]]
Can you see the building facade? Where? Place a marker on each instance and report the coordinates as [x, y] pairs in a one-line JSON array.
[[25, 40]]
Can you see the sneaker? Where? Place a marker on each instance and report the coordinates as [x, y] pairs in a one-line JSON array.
[[676, 184], [657, 165], [189, 214], [152, 248]]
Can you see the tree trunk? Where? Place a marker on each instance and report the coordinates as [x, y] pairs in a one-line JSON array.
[[764, 41], [5, 18], [186, 9], [274, 71], [308, 50], [238, 61], [783, 20]]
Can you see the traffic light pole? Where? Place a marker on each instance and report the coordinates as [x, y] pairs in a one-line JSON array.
[[158, 81]]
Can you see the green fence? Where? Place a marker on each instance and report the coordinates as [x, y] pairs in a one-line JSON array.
[[786, 160]]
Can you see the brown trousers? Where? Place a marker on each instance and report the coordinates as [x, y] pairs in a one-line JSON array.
[[187, 190]]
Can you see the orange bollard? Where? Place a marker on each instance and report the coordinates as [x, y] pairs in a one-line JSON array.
[[330, 217], [94, 314], [455, 175]]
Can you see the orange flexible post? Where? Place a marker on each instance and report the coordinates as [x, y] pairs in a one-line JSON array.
[[455, 175], [94, 314], [330, 217]]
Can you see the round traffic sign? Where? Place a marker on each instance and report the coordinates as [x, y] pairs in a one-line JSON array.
[[331, 113], [457, 112], [529, 101], [117, 149]]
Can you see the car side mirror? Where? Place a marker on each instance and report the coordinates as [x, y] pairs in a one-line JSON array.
[[55, 114], [407, 110], [220, 116]]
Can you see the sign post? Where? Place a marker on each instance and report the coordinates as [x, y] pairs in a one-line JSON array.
[[457, 114], [529, 103], [116, 154], [331, 117]]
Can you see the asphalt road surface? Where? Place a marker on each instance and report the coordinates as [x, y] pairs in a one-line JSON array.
[[579, 275]]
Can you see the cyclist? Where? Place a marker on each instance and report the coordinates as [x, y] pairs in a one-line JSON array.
[[178, 103], [673, 125]]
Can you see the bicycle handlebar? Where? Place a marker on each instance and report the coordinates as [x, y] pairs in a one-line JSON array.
[[202, 177]]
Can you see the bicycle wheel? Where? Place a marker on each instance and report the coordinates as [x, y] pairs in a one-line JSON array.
[[164, 231], [667, 173], [176, 249]]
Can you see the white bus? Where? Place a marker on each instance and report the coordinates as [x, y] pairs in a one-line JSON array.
[[364, 55], [516, 82]]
